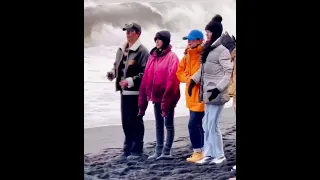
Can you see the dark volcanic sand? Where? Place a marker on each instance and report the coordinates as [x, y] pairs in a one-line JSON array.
[[106, 166]]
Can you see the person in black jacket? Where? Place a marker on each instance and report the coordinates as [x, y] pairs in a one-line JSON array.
[[128, 69]]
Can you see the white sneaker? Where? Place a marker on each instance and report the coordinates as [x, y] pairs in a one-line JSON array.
[[203, 160], [233, 168], [218, 160]]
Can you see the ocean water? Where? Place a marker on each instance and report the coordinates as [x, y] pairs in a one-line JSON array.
[[103, 21]]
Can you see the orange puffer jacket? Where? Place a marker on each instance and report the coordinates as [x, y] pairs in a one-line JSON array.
[[188, 66]]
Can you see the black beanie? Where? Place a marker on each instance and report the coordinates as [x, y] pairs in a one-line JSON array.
[[164, 36], [215, 26]]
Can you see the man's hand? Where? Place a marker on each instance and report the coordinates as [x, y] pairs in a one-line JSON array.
[[141, 113], [124, 83], [110, 76]]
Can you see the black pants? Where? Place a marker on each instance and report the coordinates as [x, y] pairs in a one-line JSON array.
[[160, 123], [132, 125], [196, 132]]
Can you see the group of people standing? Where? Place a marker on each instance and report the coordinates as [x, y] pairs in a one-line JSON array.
[[207, 68]]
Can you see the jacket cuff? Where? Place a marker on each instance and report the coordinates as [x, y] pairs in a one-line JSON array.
[[130, 82], [219, 88]]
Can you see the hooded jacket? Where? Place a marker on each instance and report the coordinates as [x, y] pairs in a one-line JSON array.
[[160, 83], [188, 66]]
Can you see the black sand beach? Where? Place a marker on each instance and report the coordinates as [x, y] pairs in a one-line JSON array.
[[102, 145]]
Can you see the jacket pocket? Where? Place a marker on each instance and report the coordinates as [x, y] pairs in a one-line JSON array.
[[157, 91], [195, 97], [131, 71], [207, 86], [221, 99]]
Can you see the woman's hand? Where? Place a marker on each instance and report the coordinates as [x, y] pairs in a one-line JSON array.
[[214, 94]]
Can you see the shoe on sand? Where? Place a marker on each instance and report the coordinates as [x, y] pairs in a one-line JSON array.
[[233, 168], [123, 157], [154, 156], [164, 156], [196, 156], [134, 157], [218, 160], [203, 160]]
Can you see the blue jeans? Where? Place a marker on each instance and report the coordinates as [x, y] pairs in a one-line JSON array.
[[213, 145], [196, 130], [160, 123]]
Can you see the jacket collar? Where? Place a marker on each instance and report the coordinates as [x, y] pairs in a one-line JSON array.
[[134, 47], [164, 52], [217, 42], [197, 49]]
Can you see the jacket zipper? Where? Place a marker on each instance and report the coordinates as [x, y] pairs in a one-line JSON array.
[[154, 75], [117, 66], [189, 62], [126, 66], [154, 71]]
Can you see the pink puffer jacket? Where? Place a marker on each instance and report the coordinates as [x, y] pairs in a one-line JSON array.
[[159, 82]]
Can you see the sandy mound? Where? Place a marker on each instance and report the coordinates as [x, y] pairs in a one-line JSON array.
[[106, 166]]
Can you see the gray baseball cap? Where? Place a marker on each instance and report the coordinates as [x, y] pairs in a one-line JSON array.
[[132, 26]]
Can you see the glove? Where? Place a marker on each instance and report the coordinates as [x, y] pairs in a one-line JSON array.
[[191, 85], [214, 94]]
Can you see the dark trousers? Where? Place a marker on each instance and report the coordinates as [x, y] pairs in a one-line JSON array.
[[132, 125], [196, 132], [160, 123]]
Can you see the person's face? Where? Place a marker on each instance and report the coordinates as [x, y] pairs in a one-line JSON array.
[[132, 35], [194, 43], [159, 43], [208, 34]]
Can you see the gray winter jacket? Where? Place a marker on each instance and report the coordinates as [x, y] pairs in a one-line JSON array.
[[215, 73]]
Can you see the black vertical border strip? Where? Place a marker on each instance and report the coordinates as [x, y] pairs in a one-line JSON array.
[[257, 134], [52, 73], [275, 81]]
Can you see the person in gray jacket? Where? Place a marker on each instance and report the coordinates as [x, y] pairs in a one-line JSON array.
[[128, 69], [214, 76]]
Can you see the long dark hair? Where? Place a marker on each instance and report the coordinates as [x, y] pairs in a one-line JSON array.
[[207, 47], [215, 27]]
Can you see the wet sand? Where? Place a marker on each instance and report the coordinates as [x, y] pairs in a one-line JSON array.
[[102, 145]]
